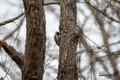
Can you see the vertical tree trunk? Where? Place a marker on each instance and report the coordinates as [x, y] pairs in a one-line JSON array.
[[68, 41], [35, 40]]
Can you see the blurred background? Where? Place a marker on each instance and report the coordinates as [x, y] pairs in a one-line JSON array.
[[98, 48]]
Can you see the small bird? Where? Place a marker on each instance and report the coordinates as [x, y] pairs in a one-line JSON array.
[[57, 38]]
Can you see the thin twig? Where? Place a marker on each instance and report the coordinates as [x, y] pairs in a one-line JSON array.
[[102, 12], [17, 17], [6, 71], [14, 30], [11, 20]]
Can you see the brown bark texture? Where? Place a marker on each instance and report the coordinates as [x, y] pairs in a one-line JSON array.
[[68, 41], [35, 40], [15, 55]]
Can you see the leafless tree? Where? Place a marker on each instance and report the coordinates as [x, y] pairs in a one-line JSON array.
[[89, 40]]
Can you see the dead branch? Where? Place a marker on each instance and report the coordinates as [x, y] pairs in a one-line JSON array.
[[15, 55]]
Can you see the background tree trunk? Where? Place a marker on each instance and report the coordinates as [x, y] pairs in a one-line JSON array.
[[98, 53], [68, 41], [35, 40]]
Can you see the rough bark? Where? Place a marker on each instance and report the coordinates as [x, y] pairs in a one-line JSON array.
[[15, 55], [68, 41], [35, 40]]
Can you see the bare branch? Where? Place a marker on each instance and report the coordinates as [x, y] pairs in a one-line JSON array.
[[17, 17], [102, 12], [51, 3], [3, 67], [16, 56], [14, 30], [11, 20]]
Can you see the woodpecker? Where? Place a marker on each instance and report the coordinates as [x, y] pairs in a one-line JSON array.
[[57, 38]]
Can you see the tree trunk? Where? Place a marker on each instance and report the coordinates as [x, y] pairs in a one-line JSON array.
[[35, 40], [68, 41]]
